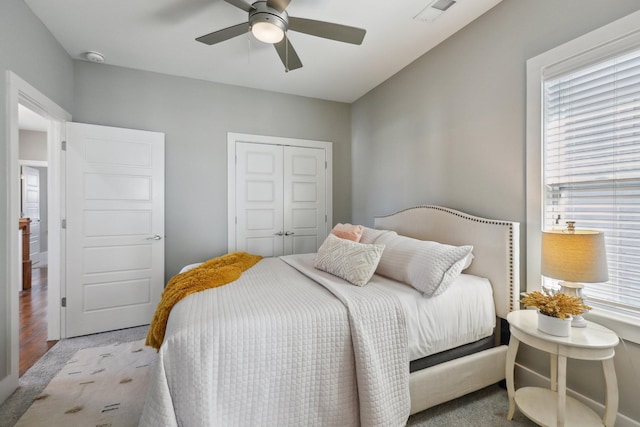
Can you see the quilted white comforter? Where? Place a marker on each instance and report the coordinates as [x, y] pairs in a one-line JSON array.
[[276, 348]]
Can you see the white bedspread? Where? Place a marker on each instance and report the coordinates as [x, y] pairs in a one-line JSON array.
[[463, 314], [276, 349]]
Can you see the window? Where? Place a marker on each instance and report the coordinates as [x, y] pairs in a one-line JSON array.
[[591, 173], [583, 103]]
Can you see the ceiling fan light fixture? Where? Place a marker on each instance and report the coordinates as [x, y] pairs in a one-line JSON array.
[[268, 28], [267, 32]]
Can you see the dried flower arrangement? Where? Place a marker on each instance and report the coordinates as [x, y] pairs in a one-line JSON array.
[[555, 304]]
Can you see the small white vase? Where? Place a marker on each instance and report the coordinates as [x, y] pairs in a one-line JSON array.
[[554, 325]]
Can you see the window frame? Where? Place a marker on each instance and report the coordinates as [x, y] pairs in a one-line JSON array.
[[601, 43]]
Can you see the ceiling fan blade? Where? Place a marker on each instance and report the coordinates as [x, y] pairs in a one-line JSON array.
[[241, 5], [327, 30], [279, 5], [287, 54], [224, 34]]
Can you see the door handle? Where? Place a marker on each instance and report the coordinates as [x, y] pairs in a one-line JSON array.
[[156, 237], [279, 233], [289, 233]]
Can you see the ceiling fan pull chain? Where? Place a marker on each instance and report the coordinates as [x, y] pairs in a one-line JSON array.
[[286, 54], [249, 47]]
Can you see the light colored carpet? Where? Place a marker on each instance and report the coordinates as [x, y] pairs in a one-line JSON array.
[[484, 408], [487, 407]]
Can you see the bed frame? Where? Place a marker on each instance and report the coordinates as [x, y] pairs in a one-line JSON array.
[[496, 250]]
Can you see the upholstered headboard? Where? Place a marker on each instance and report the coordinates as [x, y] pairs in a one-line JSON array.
[[496, 245]]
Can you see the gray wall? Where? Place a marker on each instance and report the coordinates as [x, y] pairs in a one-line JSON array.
[[449, 129], [28, 49], [195, 117], [32, 145]]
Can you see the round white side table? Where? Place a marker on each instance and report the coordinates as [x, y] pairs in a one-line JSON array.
[[552, 407]]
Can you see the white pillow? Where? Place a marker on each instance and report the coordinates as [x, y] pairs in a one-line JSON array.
[[370, 235], [351, 261], [430, 267]]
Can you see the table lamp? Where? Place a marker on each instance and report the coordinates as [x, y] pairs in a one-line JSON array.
[[574, 257]]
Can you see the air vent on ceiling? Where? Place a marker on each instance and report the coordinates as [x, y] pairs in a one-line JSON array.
[[434, 10]]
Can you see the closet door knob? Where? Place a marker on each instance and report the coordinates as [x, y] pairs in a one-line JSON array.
[[279, 233], [289, 233]]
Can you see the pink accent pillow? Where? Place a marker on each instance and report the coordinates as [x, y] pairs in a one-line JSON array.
[[348, 231]]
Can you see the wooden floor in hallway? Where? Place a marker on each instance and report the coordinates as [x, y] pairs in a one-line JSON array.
[[33, 321]]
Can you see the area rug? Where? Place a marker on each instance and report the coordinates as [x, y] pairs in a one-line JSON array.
[[101, 386]]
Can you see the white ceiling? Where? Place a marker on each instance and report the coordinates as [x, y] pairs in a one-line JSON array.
[[158, 35], [28, 120]]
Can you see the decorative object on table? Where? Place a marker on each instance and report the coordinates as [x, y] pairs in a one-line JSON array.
[[555, 310], [574, 257], [554, 325]]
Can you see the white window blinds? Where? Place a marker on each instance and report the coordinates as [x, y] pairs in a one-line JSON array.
[[591, 120]]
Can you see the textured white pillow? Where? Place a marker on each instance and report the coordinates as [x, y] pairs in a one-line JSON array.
[[430, 267], [351, 261]]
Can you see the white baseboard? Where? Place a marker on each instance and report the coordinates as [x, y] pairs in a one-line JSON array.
[[7, 386], [525, 376]]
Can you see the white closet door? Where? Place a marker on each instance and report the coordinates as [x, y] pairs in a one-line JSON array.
[[280, 198], [304, 199], [259, 211], [115, 227]]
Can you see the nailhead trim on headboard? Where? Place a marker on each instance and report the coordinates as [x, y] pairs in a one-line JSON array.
[[512, 303]]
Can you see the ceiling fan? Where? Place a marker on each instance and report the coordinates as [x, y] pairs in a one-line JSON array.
[[269, 22]]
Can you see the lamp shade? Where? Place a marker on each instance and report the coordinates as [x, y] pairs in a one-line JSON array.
[[574, 256]]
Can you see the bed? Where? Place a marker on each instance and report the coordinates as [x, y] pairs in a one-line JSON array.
[[288, 344]]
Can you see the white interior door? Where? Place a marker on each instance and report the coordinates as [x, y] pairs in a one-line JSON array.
[[259, 197], [31, 206], [304, 199], [280, 197], [114, 227]]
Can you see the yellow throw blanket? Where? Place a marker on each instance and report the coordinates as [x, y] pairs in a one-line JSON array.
[[211, 274]]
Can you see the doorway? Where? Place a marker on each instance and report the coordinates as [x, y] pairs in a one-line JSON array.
[[21, 92], [33, 159]]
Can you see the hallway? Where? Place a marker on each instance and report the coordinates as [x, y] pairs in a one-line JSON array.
[[33, 321]]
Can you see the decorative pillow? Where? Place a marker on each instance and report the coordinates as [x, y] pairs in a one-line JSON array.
[[386, 237], [430, 267], [348, 231], [468, 261], [370, 235], [351, 261]]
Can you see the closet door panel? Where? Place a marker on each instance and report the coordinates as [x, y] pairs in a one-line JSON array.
[[259, 198], [304, 199]]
